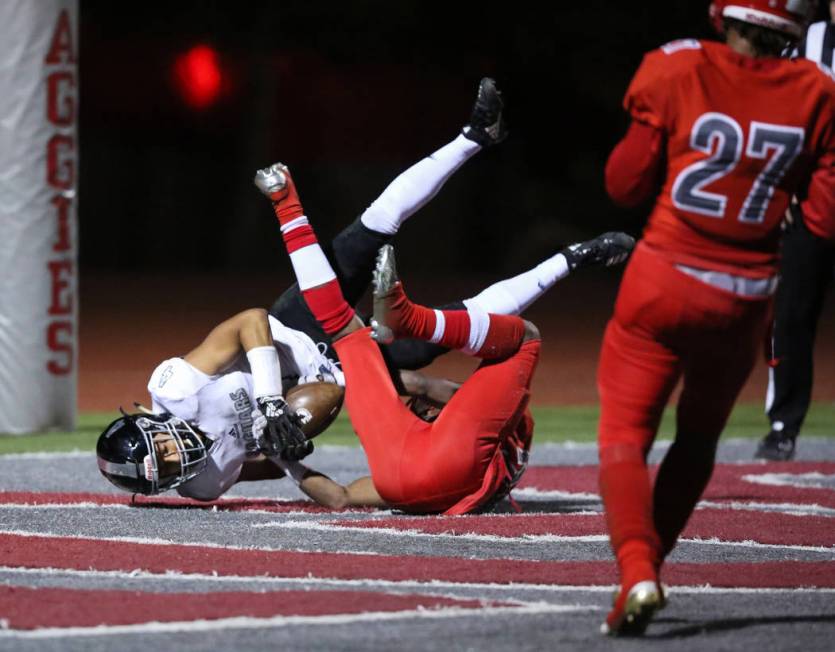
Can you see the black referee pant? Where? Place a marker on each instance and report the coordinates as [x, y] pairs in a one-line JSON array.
[[806, 270]]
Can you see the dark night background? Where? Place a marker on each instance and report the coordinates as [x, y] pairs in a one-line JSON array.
[[349, 94], [174, 237]]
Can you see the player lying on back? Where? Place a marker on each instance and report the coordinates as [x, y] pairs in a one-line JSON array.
[[722, 135], [207, 404]]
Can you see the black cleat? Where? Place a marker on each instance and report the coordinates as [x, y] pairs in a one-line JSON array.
[[608, 249], [486, 125], [777, 446]]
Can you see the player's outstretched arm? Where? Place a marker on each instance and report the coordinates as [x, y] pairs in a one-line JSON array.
[[319, 487], [326, 492]]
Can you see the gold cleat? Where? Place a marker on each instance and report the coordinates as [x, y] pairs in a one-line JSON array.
[[642, 601]]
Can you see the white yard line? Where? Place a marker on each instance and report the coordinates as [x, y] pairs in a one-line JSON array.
[[527, 538], [470, 536], [377, 583], [791, 509], [250, 623], [215, 508], [812, 480], [532, 493], [47, 456], [171, 542]]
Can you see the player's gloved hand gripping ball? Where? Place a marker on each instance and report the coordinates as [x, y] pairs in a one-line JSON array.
[[278, 432]]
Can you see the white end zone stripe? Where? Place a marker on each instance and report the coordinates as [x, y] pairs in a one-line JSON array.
[[432, 586], [311, 267], [792, 509], [249, 623], [522, 539], [75, 453], [171, 542], [812, 480], [440, 327], [491, 538]]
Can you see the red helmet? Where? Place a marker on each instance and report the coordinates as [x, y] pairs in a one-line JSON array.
[[788, 16]]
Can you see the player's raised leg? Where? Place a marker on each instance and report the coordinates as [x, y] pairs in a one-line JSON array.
[[317, 280], [513, 295], [353, 251], [415, 187], [472, 331]]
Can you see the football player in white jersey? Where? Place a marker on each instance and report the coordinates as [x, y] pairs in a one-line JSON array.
[[205, 431]]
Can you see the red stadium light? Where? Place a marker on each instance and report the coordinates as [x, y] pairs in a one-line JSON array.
[[198, 76]]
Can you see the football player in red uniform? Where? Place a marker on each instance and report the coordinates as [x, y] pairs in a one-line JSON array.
[[476, 449], [722, 134]]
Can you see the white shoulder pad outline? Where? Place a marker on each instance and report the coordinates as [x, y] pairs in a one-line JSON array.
[[681, 44]]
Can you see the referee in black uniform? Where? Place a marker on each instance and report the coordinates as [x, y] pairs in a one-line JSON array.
[[806, 270]]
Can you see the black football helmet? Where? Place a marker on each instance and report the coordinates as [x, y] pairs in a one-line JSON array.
[[128, 458]]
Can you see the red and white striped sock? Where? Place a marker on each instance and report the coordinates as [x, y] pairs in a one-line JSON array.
[[317, 280], [473, 332]]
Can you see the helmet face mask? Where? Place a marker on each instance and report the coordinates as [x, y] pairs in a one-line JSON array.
[[149, 454]]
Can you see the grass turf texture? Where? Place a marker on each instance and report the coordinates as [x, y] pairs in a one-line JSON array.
[[554, 424]]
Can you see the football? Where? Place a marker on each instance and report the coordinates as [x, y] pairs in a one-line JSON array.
[[317, 404]]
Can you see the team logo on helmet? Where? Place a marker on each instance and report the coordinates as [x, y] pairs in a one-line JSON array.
[[787, 16]]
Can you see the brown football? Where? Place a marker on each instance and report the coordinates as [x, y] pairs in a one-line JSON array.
[[317, 404]]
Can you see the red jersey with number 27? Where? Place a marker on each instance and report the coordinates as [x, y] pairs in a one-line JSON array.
[[742, 135]]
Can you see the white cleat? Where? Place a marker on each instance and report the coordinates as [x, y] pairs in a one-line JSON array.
[[384, 280], [272, 179]]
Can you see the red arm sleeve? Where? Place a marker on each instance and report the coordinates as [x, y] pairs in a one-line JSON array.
[[819, 205], [634, 166]]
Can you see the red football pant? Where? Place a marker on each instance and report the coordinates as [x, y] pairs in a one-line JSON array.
[[454, 464], [667, 325]]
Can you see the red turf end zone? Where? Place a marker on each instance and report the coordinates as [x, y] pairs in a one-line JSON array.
[[727, 525], [29, 608], [96, 554], [727, 483]]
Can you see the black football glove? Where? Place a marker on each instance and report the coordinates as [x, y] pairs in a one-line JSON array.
[[282, 435]]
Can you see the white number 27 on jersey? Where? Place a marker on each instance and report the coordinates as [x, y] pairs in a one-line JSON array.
[[721, 138]]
